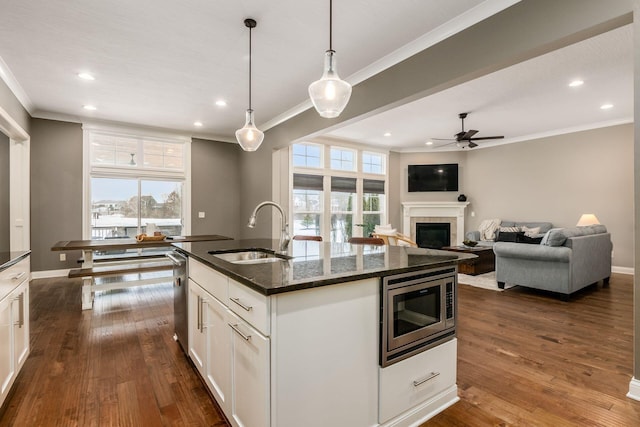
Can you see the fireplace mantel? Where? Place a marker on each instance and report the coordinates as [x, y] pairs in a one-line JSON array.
[[413, 212]]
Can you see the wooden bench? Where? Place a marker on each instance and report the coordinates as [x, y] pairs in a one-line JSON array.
[[121, 274]]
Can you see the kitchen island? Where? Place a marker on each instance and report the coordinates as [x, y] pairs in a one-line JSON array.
[[296, 340]]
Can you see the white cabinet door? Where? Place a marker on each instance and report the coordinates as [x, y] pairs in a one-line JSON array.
[[250, 375], [197, 331], [20, 321], [6, 348], [218, 364]]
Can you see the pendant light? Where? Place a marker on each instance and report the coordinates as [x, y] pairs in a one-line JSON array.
[[330, 94], [249, 137]]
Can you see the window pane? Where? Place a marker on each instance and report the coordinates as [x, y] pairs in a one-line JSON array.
[[342, 159], [372, 163], [307, 155], [113, 150], [372, 210], [307, 208], [161, 204], [166, 155], [341, 216], [114, 208]]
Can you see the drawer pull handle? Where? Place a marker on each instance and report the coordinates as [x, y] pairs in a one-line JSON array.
[[237, 301], [19, 276], [235, 328], [429, 377]]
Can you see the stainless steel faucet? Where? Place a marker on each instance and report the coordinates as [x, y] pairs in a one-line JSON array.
[[284, 232]]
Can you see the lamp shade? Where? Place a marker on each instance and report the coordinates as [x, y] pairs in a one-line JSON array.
[[587, 219], [249, 136], [330, 95]]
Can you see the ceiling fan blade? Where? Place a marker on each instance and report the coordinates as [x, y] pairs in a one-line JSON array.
[[469, 134], [460, 135], [472, 144], [442, 139], [487, 137]]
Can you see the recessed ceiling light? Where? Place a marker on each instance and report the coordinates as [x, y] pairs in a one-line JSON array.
[[89, 107], [197, 124], [221, 103], [86, 76], [429, 143], [387, 134], [576, 83], [606, 106]]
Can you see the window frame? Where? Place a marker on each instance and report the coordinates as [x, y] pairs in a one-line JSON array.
[[327, 172], [139, 173]]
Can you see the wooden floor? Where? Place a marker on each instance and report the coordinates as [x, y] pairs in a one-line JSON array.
[[524, 359]]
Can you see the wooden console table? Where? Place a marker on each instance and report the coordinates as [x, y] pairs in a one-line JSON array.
[[485, 263], [121, 265]]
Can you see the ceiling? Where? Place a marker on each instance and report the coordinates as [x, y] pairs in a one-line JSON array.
[[160, 64]]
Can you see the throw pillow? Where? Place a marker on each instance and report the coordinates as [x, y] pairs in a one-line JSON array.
[[510, 229], [531, 232], [523, 238], [554, 237], [508, 236]]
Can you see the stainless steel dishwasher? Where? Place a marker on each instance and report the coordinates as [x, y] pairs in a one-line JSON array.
[[180, 298]]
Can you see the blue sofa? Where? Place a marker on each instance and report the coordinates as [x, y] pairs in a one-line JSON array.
[[565, 261]]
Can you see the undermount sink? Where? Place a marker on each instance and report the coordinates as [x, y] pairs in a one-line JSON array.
[[253, 256]]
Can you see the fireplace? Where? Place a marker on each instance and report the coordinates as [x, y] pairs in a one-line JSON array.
[[433, 235], [451, 213]]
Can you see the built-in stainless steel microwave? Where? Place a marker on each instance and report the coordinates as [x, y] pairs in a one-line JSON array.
[[418, 311]]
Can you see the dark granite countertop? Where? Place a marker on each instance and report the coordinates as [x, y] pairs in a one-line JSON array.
[[317, 264], [7, 259]]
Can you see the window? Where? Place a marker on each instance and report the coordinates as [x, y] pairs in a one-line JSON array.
[[340, 199], [307, 155], [373, 203], [342, 159], [373, 163], [343, 196], [307, 204], [133, 181]]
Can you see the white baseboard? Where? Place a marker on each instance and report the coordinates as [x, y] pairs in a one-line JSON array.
[[622, 270], [634, 389], [47, 274]]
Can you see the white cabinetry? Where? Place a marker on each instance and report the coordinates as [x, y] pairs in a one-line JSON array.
[[14, 323], [250, 375], [308, 357]]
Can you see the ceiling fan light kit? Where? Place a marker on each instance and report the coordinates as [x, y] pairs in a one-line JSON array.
[[249, 136], [330, 95]]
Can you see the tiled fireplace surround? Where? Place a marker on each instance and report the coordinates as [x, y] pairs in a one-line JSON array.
[[440, 212]]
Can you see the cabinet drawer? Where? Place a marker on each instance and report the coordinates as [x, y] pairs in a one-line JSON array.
[[215, 283], [250, 305], [13, 276], [416, 379]]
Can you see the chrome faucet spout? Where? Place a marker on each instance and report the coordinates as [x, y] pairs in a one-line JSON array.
[[284, 231]]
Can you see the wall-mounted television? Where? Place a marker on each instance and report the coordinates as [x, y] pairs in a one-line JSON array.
[[442, 177]]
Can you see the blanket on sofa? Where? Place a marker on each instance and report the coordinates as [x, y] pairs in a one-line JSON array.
[[488, 229]]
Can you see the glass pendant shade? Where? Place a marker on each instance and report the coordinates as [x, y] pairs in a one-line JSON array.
[[330, 95], [249, 136]]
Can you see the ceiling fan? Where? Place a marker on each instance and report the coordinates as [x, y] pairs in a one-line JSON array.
[[465, 139]]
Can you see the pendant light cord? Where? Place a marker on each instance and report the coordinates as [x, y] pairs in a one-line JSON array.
[[249, 68], [331, 25]]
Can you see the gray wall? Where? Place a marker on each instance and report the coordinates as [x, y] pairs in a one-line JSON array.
[[56, 191], [215, 187], [554, 179], [5, 226]]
